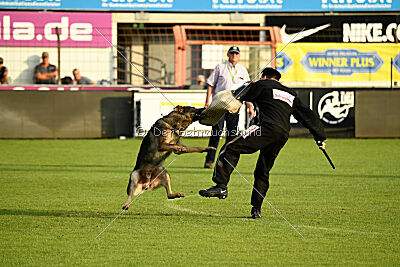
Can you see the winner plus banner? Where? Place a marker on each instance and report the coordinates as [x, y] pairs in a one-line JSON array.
[[338, 62]]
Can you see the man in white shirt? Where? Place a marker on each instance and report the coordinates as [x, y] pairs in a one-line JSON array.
[[227, 75]]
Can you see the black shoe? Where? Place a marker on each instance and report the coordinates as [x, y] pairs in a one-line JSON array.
[[255, 213], [215, 191]]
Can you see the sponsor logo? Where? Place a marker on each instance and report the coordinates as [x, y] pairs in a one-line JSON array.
[[25, 31], [293, 37], [334, 107], [370, 32], [342, 62], [396, 62], [137, 3], [283, 96], [283, 62], [247, 4], [356, 4], [21, 28]]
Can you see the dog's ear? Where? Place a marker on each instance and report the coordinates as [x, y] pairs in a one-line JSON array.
[[179, 108]]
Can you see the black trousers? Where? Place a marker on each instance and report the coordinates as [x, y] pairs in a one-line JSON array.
[[269, 140], [231, 128]]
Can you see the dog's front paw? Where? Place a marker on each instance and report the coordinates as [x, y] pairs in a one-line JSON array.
[[125, 207], [176, 195], [180, 150]]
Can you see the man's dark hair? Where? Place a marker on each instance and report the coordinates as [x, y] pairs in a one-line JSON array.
[[271, 73]]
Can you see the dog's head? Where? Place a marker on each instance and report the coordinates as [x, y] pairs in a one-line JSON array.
[[186, 115]]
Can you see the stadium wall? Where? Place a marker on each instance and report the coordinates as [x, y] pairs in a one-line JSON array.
[[94, 114], [65, 112], [377, 114]]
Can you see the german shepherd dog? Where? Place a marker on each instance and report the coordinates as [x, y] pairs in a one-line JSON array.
[[163, 138]]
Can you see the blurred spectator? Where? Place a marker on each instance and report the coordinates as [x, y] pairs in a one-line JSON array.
[[79, 79], [45, 73], [201, 80], [200, 83], [3, 72]]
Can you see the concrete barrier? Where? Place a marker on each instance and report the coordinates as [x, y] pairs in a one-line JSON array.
[[377, 114]]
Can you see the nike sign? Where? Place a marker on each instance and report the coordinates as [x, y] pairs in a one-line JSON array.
[[293, 37]]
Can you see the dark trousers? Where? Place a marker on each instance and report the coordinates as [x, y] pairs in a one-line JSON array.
[[231, 127], [269, 140]]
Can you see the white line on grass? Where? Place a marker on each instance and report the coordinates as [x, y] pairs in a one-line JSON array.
[[346, 230], [175, 206]]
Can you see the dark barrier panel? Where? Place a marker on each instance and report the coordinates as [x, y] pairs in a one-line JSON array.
[[335, 108], [378, 114], [116, 117], [94, 114]]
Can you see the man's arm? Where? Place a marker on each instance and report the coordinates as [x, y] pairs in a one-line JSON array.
[[208, 96], [310, 120], [53, 74], [88, 81], [247, 92], [46, 76], [251, 109], [249, 104], [211, 81]]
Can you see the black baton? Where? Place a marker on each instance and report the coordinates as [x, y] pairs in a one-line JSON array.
[[328, 158]]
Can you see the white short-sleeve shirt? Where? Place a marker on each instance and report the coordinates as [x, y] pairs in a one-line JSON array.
[[225, 76]]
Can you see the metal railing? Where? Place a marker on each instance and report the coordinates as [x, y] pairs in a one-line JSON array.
[[125, 74]]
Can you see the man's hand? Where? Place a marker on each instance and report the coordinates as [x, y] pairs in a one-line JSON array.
[[252, 112], [321, 144]]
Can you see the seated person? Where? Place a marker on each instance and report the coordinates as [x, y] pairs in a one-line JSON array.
[[79, 79], [3, 72], [200, 83], [45, 73]]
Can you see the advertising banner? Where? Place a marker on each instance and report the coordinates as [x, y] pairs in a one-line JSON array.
[[208, 5], [38, 29], [359, 28], [339, 62], [334, 107]]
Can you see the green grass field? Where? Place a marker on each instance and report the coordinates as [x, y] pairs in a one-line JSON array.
[[56, 196]]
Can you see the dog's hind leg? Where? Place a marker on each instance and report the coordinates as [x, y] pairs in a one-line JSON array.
[[133, 189], [166, 181]]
